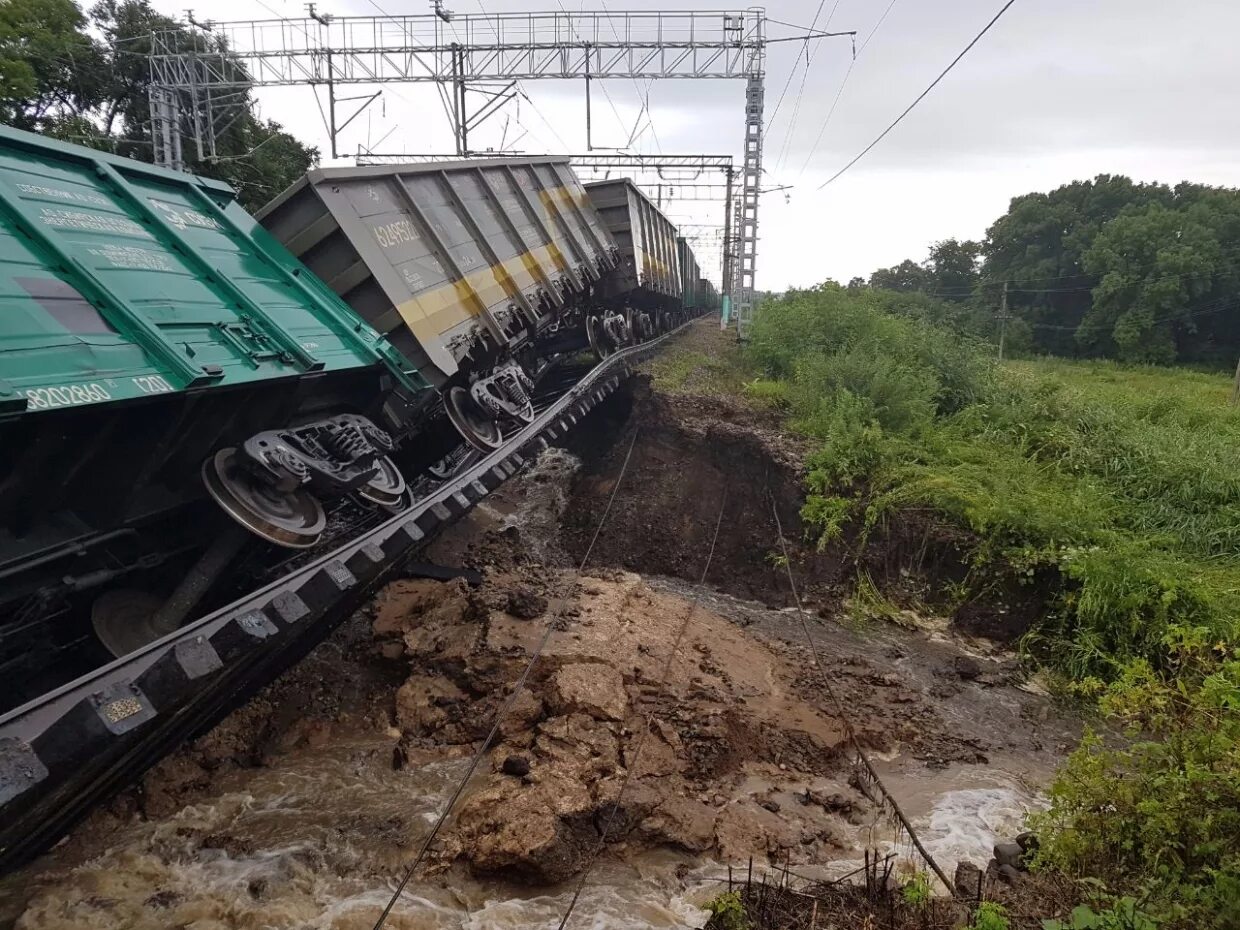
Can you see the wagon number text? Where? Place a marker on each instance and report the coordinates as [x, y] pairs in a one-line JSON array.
[[68, 396], [152, 384]]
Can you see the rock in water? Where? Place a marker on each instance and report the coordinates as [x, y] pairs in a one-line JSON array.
[[1028, 841], [1009, 854], [967, 878]]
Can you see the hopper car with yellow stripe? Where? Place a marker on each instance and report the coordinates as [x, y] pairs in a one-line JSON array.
[[478, 271]]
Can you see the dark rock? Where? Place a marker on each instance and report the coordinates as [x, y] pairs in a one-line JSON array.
[[517, 766], [1028, 841], [772, 806], [967, 880], [1009, 874], [162, 899], [526, 603], [967, 668], [1009, 854]]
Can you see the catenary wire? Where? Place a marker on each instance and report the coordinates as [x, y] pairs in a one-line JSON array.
[[920, 97], [502, 712], [840, 92]]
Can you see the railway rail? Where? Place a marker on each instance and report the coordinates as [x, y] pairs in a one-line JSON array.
[[70, 749]]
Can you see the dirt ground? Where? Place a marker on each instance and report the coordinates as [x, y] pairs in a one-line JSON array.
[[663, 716]]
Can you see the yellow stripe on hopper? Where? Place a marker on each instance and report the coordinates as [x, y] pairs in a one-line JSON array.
[[433, 312]]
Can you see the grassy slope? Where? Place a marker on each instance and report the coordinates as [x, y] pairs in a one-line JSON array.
[[1115, 487], [1113, 491]]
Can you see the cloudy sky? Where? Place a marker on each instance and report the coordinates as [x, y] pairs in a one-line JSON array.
[[1057, 90]]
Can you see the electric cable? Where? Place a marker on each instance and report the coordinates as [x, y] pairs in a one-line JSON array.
[[920, 97], [845, 720], [840, 92]]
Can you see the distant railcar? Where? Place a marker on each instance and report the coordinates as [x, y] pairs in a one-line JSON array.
[[691, 274], [467, 267], [644, 290]]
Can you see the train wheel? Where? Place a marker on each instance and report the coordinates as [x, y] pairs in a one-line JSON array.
[[471, 421], [294, 520], [597, 336], [123, 619], [387, 488]]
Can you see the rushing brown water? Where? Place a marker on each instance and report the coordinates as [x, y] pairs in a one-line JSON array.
[[317, 842]]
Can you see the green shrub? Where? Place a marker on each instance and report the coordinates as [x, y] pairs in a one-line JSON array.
[[1123, 914], [1119, 483], [1159, 814], [727, 912], [917, 892], [990, 916]]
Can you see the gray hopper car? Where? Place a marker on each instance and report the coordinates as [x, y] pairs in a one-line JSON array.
[[462, 265], [648, 274]]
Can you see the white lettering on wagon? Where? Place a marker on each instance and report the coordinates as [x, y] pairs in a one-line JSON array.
[[130, 256], [68, 395], [38, 190], [151, 384], [390, 234], [182, 217], [91, 222]]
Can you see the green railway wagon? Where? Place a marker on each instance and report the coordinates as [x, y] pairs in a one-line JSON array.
[[156, 343]]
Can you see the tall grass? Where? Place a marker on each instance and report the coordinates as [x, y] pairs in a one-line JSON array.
[[1123, 483]]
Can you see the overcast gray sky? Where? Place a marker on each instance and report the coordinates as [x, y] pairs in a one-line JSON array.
[[1057, 90]]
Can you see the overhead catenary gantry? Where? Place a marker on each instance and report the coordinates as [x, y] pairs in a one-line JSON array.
[[485, 53]]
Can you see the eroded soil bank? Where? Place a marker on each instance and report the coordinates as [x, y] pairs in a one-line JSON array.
[[301, 809]]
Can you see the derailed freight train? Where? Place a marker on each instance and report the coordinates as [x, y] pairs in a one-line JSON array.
[[182, 400]]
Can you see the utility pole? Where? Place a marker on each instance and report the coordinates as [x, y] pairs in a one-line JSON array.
[[1003, 318]]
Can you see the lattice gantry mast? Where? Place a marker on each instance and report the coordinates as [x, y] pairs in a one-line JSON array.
[[747, 219], [195, 91]]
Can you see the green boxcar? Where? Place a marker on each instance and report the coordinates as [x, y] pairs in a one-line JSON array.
[[147, 322], [120, 280]]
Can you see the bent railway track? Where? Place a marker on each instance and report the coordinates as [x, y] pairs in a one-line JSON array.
[[66, 751]]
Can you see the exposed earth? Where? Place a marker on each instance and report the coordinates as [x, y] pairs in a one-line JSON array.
[[676, 728]]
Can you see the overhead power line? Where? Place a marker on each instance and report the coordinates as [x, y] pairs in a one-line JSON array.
[[920, 97], [844, 83]]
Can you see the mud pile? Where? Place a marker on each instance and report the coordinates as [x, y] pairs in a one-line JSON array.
[[596, 712]]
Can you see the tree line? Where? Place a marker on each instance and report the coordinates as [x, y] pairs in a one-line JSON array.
[[1100, 268], [82, 76]]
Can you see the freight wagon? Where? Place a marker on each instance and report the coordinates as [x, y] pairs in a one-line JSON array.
[[155, 340], [166, 363], [643, 293], [475, 270]]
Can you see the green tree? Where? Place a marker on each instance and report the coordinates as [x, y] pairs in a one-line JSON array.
[[50, 68], [1038, 246], [906, 276], [952, 269], [57, 79], [1166, 278]]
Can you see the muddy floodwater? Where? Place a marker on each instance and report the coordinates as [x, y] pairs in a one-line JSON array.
[[303, 809]]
